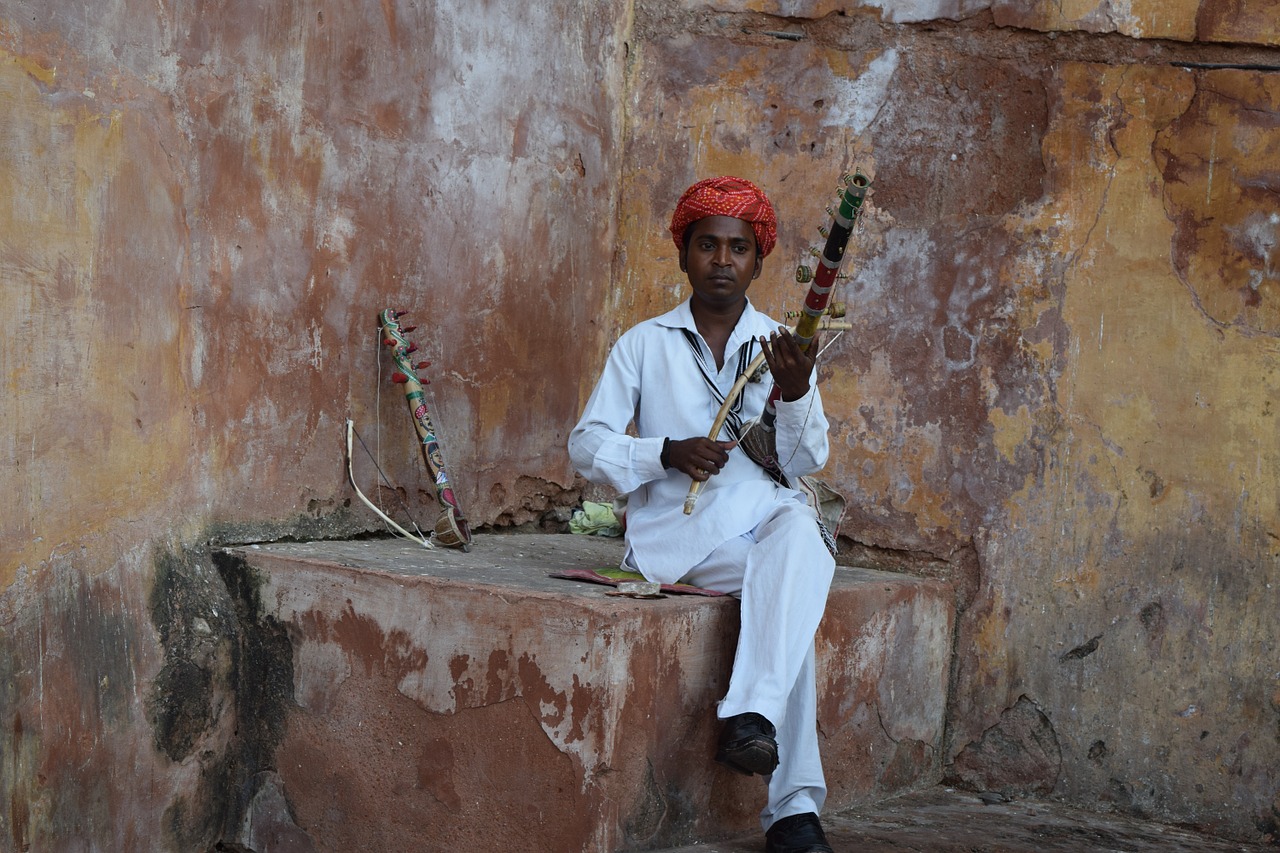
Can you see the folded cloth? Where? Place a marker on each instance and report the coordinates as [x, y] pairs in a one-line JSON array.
[[595, 519], [613, 577]]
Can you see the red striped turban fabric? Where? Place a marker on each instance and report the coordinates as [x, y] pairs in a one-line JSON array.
[[727, 196]]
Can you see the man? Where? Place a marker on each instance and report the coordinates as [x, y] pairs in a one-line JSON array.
[[748, 535]]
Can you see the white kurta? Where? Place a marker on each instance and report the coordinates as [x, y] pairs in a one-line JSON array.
[[652, 380], [747, 535]]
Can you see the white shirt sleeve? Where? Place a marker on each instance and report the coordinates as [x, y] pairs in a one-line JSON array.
[[599, 445]]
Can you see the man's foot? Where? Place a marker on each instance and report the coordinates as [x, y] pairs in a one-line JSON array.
[[747, 745], [799, 833]]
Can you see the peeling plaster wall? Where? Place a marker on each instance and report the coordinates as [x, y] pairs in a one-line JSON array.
[[202, 208], [1151, 539], [1251, 21], [1063, 382], [206, 206]]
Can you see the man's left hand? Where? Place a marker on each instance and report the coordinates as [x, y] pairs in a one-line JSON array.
[[790, 365]]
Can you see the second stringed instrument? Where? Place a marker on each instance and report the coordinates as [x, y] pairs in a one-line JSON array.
[[451, 529]]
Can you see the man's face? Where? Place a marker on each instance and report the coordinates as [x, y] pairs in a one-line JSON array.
[[720, 259]]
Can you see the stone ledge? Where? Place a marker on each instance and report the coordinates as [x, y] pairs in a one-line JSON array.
[[448, 699]]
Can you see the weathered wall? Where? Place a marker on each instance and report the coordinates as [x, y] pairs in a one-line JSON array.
[[1063, 384], [1061, 394], [202, 208], [432, 685]]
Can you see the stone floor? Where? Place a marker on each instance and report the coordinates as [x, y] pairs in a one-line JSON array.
[[948, 821]]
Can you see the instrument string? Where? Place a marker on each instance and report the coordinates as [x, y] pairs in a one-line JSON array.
[[377, 403], [408, 513], [809, 411]]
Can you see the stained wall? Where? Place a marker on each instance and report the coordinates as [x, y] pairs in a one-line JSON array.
[[203, 206], [1062, 383]]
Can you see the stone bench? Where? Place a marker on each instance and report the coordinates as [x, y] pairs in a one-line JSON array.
[[454, 701]]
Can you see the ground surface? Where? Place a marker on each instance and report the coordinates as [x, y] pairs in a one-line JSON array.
[[945, 821]]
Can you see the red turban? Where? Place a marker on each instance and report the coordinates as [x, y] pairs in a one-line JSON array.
[[727, 196]]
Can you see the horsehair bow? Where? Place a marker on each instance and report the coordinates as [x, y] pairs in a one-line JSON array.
[[821, 283], [418, 537], [451, 528]]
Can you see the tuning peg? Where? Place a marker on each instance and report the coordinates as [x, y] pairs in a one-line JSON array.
[[422, 365], [412, 348], [824, 231], [407, 329], [831, 211], [389, 341], [399, 378], [804, 274]]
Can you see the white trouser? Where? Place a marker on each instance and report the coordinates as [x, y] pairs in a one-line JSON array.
[[781, 571]]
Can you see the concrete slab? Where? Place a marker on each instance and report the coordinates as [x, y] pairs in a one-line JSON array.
[[453, 699]]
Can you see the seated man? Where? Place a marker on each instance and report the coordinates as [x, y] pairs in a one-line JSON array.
[[750, 535]]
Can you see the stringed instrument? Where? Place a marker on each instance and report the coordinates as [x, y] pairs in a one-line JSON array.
[[451, 528], [758, 435]]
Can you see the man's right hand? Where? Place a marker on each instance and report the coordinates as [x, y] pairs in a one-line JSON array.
[[699, 457]]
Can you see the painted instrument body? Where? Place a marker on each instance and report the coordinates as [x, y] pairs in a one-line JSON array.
[[821, 283], [451, 529]]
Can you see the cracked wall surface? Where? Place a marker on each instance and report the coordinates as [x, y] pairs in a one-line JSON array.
[[1061, 386], [1151, 535], [431, 686], [202, 209], [1183, 20]]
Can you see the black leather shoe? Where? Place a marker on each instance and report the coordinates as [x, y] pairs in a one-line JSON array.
[[747, 745], [799, 833]]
